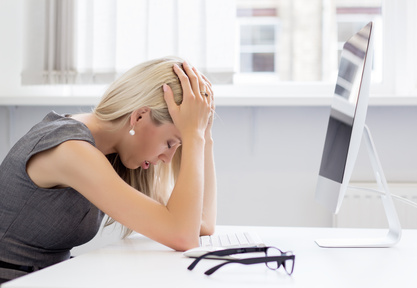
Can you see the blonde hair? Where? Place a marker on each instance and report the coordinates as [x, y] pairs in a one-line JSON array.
[[140, 87]]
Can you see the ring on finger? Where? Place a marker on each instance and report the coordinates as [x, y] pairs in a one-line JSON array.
[[204, 93]]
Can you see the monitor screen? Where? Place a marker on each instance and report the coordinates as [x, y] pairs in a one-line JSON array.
[[345, 129], [346, 120]]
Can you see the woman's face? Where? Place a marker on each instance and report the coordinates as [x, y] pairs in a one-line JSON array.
[[151, 143]]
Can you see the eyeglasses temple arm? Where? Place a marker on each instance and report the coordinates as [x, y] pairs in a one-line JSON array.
[[248, 261], [222, 253], [215, 268], [214, 253], [195, 262]]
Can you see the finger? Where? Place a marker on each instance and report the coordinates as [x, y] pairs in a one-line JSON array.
[[203, 77], [210, 89], [169, 99], [204, 88], [202, 83], [193, 78], [185, 82], [207, 83], [206, 79], [210, 92], [212, 103]]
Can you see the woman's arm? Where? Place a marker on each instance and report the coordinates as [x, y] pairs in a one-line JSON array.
[[191, 175], [209, 215], [83, 167], [208, 224], [80, 165]]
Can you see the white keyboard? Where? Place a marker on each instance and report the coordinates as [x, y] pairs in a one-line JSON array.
[[223, 241], [230, 240]]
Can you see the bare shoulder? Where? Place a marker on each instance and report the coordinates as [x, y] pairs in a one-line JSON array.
[[61, 165]]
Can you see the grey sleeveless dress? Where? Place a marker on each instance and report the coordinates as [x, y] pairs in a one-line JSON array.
[[38, 227]]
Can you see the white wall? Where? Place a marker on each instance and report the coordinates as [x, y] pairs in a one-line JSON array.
[[267, 158]]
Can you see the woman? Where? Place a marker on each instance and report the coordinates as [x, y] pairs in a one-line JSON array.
[[144, 157]]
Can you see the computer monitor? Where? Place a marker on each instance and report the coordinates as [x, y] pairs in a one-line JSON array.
[[345, 129]]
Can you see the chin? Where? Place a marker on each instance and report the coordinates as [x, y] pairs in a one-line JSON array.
[[130, 165]]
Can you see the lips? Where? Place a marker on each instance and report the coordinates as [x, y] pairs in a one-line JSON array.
[[145, 165]]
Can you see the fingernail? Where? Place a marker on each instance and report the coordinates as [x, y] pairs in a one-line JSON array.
[[165, 87]]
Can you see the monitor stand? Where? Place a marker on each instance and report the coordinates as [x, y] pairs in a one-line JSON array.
[[394, 227]]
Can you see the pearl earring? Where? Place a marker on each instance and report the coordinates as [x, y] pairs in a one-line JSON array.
[[132, 132]]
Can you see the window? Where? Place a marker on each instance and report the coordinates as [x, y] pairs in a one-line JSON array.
[[258, 37], [300, 40], [94, 41], [250, 49]]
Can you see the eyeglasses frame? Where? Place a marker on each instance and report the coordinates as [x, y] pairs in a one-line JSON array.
[[246, 261]]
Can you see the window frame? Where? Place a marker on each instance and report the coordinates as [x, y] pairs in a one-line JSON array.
[[398, 80], [271, 48]]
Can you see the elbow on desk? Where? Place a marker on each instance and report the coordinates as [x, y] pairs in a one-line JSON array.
[[184, 242], [182, 239], [207, 230], [184, 245]]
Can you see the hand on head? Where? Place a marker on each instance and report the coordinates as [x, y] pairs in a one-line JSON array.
[[195, 112], [210, 93]]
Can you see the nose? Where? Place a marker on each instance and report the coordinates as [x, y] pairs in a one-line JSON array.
[[167, 155]]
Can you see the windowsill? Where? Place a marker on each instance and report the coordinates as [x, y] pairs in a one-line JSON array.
[[225, 95]]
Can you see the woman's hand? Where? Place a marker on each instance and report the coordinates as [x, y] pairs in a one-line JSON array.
[[205, 85], [209, 215], [195, 189], [192, 116]]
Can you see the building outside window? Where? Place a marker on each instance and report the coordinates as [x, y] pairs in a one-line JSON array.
[[286, 40], [258, 37]]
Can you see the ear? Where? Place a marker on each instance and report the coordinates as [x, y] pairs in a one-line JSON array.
[[137, 115]]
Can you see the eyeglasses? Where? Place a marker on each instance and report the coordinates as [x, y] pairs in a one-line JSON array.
[[274, 258]]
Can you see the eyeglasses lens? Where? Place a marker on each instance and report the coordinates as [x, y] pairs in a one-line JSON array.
[[289, 265], [270, 253]]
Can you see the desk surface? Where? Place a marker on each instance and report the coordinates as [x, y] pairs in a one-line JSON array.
[[141, 262]]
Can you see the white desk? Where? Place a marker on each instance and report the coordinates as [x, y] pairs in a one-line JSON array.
[[140, 262]]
